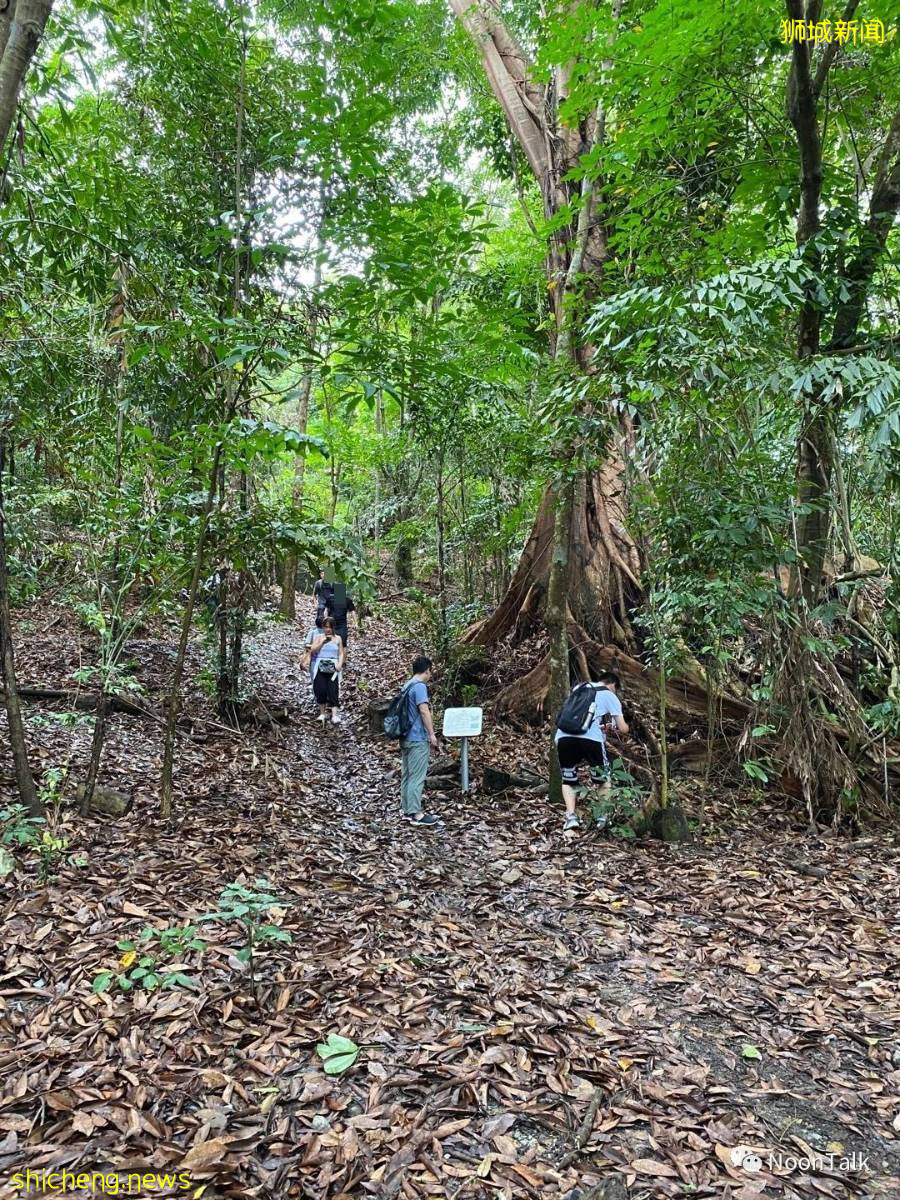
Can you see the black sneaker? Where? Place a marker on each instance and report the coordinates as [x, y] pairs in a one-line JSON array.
[[423, 819]]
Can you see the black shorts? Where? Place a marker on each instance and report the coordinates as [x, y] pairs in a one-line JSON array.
[[340, 628], [326, 689], [573, 751]]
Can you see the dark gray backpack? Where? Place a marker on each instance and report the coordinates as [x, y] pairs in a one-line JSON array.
[[577, 713], [397, 723]]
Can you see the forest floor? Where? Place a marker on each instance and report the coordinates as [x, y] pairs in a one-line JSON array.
[[536, 1014]]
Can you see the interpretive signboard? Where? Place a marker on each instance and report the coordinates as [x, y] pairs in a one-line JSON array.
[[463, 723]]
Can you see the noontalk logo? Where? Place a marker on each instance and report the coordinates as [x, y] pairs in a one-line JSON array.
[[749, 1160]]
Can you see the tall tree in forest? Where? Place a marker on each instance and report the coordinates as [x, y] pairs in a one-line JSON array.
[[807, 92], [287, 605], [831, 314], [22, 25], [24, 779], [580, 567]]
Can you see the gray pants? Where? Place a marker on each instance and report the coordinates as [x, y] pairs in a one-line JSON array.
[[413, 769]]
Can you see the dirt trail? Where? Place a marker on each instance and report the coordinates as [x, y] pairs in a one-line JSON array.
[[504, 985]]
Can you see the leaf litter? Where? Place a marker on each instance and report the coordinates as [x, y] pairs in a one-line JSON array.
[[510, 1014]]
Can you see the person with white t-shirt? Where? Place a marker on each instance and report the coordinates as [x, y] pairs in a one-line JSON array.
[[589, 746]]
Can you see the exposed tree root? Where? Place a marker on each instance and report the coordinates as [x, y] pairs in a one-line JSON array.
[[524, 701], [534, 567], [605, 569], [824, 761]]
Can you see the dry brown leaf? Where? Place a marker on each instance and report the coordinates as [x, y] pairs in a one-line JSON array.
[[82, 1122], [205, 1155], [651, 1166]]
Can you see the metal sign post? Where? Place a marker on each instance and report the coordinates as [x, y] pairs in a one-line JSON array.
[[463, 723]]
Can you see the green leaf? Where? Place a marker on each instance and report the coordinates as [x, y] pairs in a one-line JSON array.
[[7, 862], [755, 771], [101, 982], [338, 1054], [748, 1050], [178, 979]]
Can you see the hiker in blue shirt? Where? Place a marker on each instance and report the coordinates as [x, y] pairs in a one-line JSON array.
[[417, 745], [590, 745]]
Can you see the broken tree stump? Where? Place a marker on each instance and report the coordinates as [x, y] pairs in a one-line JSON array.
[[376, 710], [669, 824]]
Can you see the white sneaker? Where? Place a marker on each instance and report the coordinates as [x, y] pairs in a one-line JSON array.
[[335, 719], [572, 821], [321, 717]]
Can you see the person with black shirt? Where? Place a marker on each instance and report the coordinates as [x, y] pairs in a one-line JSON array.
[[322, 590], [337, 606]]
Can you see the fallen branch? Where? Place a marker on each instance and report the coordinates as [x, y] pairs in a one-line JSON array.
[[88, 701], [584, 1131], [85, 700]]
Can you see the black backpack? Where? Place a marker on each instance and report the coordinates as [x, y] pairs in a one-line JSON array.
[[397, 723], [577, 712]]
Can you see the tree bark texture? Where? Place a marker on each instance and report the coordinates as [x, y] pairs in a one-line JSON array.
[[22, 24]]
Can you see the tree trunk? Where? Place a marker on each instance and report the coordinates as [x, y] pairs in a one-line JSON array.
[[220, 628], [233, 394], [403, 562], [603, 584], [24, 780], [604, 571], [288, 606], [238, 608], [174, 703], [335, 486], [663, 735], [111, 642], [21, 29], [556, 617], [376, 476], [815, 466], [821, 766], [86, 793], [442, 566]]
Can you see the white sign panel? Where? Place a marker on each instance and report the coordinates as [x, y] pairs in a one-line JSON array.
[[462, 722]]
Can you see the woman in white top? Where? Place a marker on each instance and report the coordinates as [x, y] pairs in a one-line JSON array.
[[327, 652]]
